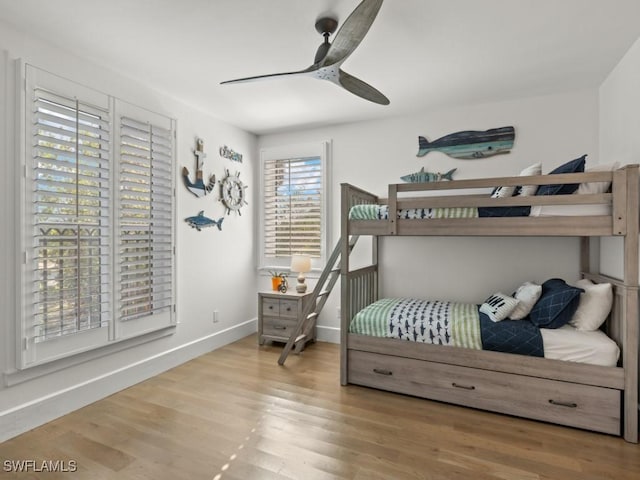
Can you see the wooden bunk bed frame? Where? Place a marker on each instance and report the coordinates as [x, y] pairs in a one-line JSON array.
[[603, 399]]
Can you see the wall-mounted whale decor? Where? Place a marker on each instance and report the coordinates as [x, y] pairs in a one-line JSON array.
[[226, 152], [471, 143], [198, 188], [199, 221]]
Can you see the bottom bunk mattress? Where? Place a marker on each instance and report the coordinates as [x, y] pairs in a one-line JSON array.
[[463, 325]]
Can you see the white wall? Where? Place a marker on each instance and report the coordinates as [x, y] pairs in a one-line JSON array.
[[551, 129], [215, 270], [620, 135]]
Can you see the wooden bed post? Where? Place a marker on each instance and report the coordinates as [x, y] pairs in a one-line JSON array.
[[630, 354], [345, 306], [585, 254], [393, 207]]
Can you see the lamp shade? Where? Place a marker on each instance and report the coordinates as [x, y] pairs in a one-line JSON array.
[[300, 263]]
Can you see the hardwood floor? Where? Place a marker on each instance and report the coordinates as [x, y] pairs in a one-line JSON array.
[[234, 414]]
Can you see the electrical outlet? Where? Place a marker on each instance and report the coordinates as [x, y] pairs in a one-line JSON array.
[[216, 318]]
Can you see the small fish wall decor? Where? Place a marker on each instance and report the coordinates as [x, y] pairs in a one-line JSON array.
[[422, 176], [199, 221], [198, 188], [226, 152], [470, 143]]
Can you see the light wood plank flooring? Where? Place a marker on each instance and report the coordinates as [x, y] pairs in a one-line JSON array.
[[234, 414]]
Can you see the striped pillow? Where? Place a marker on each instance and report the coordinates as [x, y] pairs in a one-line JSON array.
[[498, 306]]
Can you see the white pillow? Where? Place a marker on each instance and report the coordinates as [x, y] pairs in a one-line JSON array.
[[597, 187], [530, 190], [528, 294], [498, 306], [502, 192], [594, 307]]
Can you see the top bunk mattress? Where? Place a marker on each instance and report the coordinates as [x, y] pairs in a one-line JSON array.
[[381, 212]]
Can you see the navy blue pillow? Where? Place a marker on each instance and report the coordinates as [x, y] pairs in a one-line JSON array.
[[574, 166], [556, 305], [504, 211]]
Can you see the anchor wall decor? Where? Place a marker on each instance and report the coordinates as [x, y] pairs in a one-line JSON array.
[[198, 188]]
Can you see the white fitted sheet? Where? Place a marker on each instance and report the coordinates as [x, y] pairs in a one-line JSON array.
[[569, 210], [571, 345]]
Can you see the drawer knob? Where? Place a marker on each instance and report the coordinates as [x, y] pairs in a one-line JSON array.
[[563, 404], [280, 327], [288, 309], [464, 387], [381, 371], [270, 307]]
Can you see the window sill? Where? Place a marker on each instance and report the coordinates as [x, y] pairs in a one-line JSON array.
[[16, 377]]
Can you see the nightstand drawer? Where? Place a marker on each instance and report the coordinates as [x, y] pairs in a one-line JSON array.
[[289, 308], [278, 327], [271, 306]]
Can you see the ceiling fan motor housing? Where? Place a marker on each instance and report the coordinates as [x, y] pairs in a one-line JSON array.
[[325, 26]]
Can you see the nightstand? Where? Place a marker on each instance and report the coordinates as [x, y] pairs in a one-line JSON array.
[[278, 315]]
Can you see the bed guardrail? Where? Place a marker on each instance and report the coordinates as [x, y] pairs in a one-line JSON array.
[[363, 287]]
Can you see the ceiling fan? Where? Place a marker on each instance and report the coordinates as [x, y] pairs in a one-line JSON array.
[[330, 56]]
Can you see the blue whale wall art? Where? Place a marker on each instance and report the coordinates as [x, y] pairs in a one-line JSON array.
[[470, 144]]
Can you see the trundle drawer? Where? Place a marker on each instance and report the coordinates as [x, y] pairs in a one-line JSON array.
[[583, 406]]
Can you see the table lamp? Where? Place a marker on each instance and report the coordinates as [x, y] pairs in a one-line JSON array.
[[301, 264]]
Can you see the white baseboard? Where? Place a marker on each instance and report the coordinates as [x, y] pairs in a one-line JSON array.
[[27, 416], [328, 334]]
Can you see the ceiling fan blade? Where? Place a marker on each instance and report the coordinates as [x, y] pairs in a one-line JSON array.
[[271, 75], [361, 89], [352, 31]]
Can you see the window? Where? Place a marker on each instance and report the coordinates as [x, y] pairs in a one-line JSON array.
[[93, 260], [294, 199]]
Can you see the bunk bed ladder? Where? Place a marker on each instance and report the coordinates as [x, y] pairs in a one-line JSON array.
[[324, 286]]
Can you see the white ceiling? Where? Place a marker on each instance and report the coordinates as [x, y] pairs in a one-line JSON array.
[[422, 54]]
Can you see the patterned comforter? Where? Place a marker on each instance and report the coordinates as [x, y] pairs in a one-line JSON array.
[[446, 323], [381, 212]]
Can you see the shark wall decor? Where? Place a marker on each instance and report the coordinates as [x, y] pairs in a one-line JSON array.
[[470, 144], [198, 188], [199, 221]]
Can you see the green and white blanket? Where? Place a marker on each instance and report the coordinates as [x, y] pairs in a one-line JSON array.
[[434, 322], [381, 212]]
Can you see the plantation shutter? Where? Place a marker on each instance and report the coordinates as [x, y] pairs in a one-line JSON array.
[[145, 216], [98, 223], [70, 195], [293, 199]]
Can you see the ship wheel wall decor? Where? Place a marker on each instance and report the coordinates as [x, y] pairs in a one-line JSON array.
[[232, 192]]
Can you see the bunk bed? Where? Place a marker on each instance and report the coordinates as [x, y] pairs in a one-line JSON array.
[[593, 397]]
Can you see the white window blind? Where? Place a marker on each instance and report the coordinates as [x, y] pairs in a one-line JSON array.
[[99, 220], [293, 207], [70, 216], [145, 218]]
